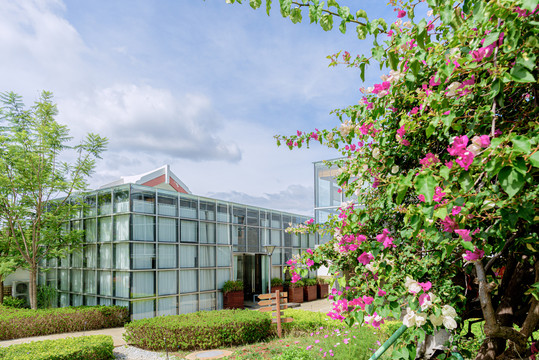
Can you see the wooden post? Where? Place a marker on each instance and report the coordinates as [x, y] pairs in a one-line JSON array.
[[275, 303]]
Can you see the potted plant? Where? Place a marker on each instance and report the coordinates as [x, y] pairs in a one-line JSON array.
[[309, 290], [322, 287], [233, 294], [277, 284], [295, 292]]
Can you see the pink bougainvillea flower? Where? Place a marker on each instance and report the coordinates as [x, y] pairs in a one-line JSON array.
[[368, 300], [365, 258], [449, 224], [447, 112], [310, 221], [425, 286], [456, 210], [429, 160], [477, 254], [485, 141], [458, 146], [401, 14], [449, 164], [385, 239], [465, 159], [433, 82], [421, 197], [314, 136], [414, 110], [295, 278], [381, 292], [299, 133], [309, 251], [401, 131], [464, 234], [310, 263], [390, 33], [438, 194], [405, 142]]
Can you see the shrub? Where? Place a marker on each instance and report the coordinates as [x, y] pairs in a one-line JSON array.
[[321, 280], [295, 354], [96, 347], [308, 321], [200, 330], [309, 282], [232, 285], [14, 302], [20, 323], [276, 282], [297, 284]]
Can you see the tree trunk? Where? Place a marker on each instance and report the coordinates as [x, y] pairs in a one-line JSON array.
[[33, 287]]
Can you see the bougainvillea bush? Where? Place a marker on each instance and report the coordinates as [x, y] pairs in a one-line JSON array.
[[442, 157]]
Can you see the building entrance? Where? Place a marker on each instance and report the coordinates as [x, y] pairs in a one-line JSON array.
[[249, 270]]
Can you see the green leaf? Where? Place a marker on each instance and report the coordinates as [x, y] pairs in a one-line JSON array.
[[440, 213], [493, 167], [268, 7], [295, 15], [467, 245], [362, 69], [255, 4], [378, 52], [402, 188], [466, 181], [521, 144], [529, 4], [534, 159], [511, 180], [361, 32], [326, 21], [444, 172], [342, 26], [493, 36], [527, 60], [361, 14], [344, 12], [425, 184], [520, 74]]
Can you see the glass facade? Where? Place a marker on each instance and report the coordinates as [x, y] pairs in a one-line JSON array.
[[160, 252]]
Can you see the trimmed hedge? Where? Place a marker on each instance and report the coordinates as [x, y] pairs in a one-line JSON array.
[[96, 347], [21, 323], [199, 331], [308, 321]]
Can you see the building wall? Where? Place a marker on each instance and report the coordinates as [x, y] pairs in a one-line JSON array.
[[163, 253]]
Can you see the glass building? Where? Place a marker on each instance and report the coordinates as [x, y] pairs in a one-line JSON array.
[[160, 250]]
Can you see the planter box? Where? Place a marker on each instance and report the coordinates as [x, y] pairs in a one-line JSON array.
[[233, 300], [323, 290], [295, 295], [309, 293], [278, 287]]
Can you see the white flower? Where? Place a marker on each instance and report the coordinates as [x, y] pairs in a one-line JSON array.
[[409, 318], [436, 320], [420, 319], [376, 153], [370, 268], [449, 323], [448, 310], [407, 24], [412, 285], [370, 89], [384, 77], [430, 12], [395, 169], [452, 88], [398, 22]]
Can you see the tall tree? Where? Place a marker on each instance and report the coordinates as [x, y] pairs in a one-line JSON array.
[[37, 184]]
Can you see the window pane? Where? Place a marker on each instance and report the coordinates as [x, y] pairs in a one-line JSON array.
[[143, 256], [143, 309], [143, 284], [252, 217], [76, 259], [167, 230], [76, 281], [276, 257], [90, 282], [121, 256], [223, 234], [188, 304], [105, 256], [121, 284], [167, 205], [168, 282], [143, 201], [207, 256], [105, 283], [224, 256], [168, 256], [90, 256], [276, 237], [188, 256], [90, 301], [90, 208], [207, 280], [188, 281], [121, 228], [223, 275], [295, 241], [104, 202], [143, 228], [188, 208], [188, 231], [238, 238], [275, 220], [105, 302], [167, 306], [121, 200], [76, 300], [207, 302], [64, 280], [264, 219], [238, 215], [207, 233], [253, 243], [222, 212], [105, 229], [90, 230], [207, 210]]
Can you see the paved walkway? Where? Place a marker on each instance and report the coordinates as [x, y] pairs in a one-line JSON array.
[[322, 305]]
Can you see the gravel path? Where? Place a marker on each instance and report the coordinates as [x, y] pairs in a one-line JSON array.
[[133, 353]]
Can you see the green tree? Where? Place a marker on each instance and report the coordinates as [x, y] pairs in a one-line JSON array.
[[37, 184], [443, 156]]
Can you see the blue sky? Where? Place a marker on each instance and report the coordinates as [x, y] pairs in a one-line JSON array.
[[200, 85]]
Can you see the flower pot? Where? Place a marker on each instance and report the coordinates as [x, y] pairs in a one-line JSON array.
[[233, 300], [309, 293], [278, 287], [323, 290], [295, 294]]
